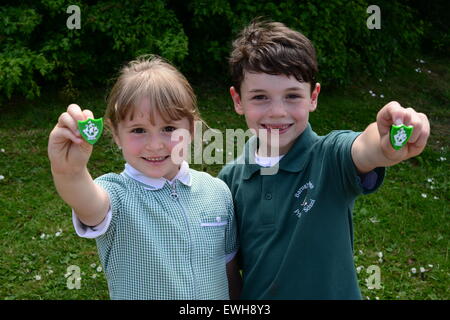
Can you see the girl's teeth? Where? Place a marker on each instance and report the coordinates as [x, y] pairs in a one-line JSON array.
[[156, 159]]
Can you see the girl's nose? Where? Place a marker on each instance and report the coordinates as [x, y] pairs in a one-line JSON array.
[[154, 143]]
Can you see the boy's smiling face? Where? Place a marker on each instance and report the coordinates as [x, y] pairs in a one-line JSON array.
[[271, 102]]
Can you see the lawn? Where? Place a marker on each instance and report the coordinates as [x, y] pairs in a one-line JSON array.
[[402, 230]]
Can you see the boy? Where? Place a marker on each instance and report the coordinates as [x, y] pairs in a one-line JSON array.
[[295, 227]]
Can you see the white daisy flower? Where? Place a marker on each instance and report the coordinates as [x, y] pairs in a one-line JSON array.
[[37, 277], [374, 220], [413, 270], [424, 195], [93, 265], [99, 269]]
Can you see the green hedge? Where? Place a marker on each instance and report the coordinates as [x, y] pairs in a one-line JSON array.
[[37, 48]]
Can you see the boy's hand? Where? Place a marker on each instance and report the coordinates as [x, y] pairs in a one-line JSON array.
[[67, 151], [394, 113]]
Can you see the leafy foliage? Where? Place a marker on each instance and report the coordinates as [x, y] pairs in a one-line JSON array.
[[37, 47]]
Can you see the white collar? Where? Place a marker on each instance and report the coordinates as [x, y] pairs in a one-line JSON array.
[[267, 161], [183, 176]]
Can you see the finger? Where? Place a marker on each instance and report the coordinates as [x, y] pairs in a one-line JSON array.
[[391, 113], [66, 134], [67, 121], [88, 114], [75, 111], [424, 133], [416, 121]]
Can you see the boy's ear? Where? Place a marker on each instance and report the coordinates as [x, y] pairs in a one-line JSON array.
[[314, 97], [237, 101]]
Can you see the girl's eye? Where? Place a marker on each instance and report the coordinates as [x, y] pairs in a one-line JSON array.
[[169, 129], [138, 130], [259, 97]]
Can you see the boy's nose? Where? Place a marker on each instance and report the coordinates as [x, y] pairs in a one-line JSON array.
[[277, 109]]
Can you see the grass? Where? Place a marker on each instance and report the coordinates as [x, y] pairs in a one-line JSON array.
[[406, 220]]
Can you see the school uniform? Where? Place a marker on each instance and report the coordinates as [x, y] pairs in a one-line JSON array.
[[165, 239], [295, 226]]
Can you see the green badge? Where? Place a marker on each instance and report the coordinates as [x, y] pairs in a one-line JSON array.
[[400, 135], [91, 129]]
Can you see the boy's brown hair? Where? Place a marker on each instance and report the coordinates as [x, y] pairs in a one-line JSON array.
[[153, 78], [272, 48]]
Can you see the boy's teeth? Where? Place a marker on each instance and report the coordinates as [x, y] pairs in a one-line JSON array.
[[272, 126]]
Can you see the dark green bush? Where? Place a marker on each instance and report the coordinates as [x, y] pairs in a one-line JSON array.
[[37, 48]]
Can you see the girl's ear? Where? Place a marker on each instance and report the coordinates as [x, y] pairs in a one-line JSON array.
[[116, 139], [237, 101], [314, 97]]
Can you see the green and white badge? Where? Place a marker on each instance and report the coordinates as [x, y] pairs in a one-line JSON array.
[[400, 135], [91, 129]]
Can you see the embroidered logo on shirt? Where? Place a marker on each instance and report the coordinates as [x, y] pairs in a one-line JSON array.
[[305, 202]]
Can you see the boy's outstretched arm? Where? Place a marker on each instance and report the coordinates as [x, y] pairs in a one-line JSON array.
[[69, 155], [373, 149]]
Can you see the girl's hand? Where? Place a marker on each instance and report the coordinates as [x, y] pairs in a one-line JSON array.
[[394, 113], [67, 150]]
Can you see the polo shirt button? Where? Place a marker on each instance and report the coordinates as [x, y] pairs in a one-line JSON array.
[[268, 196]]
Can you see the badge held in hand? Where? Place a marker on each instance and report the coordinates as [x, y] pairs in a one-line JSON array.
[[400, 135], [91, 129]]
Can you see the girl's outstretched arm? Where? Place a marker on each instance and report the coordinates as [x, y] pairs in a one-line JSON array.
[[69, 155]]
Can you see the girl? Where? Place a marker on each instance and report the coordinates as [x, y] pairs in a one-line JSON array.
[[163, 230]]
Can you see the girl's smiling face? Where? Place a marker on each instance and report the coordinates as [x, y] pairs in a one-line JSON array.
[[148, 147]]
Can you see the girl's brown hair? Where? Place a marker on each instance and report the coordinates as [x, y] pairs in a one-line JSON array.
[[272, 48], [155, 79]]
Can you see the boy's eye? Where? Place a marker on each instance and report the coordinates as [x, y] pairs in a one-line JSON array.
[[169, 129], [138, 130], [293, 96]]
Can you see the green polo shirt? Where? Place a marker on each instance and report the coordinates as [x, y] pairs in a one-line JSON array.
[[295, 227]]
